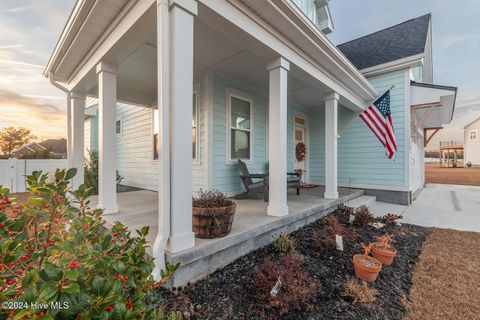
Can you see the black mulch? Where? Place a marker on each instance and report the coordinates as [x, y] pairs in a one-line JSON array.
[[230, 292]]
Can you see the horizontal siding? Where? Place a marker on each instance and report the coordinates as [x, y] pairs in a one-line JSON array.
[[317, 145], [361, 157], [226, 175], [134, 148]]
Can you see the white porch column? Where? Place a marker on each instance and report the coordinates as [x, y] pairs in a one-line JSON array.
[[331, 140], [277, 135], [77, 113], [181, 90], [69, 131], [107, 103]]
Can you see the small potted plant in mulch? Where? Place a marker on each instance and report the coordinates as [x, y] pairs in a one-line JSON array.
[[366, 268], [383, 250], [212, 214]]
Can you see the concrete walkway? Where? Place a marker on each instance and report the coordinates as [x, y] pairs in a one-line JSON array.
[[440, 205]]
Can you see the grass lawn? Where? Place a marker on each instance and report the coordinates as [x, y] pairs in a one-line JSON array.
[[446, 280]]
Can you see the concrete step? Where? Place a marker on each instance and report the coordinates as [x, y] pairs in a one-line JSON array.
[[363, 200]]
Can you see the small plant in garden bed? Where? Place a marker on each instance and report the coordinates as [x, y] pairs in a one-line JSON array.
[[383, 250], [366, 268], [284, 244], [52, 251], [324, 239], [363, 217], [391, 218], [359, 291], [294, 287]]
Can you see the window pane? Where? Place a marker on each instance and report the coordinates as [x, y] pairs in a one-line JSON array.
[[300, 121], [194, 143], [155, 121], [240, 113], [240, 146], [156, 146], [194, 111], [118, 126]]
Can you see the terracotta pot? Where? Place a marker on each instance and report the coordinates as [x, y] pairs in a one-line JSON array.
[[209, 223], [384, 256], [366, 272]]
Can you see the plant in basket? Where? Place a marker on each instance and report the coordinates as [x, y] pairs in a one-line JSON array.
[[366, 268], [383, 250], [212, 214]]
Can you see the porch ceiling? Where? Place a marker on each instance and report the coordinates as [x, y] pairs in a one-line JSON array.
[[225, 52]]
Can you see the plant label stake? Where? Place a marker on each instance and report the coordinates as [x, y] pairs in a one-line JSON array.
[[351, 218], [339, 242], [276, 287]]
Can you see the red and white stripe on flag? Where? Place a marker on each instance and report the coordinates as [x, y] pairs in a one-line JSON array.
[[382, 127]]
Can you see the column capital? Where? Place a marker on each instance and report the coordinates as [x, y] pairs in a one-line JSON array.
[[76, 95], [190, 6], [107, 67], [279, 62], [331, 96]]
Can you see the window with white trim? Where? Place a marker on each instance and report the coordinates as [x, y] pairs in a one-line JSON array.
[[118, 126], [195, 135], [240, 128], [473, 134]]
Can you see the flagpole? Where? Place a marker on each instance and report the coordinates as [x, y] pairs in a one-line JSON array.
[[356, 118]]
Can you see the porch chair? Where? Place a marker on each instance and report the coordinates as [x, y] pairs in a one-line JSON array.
[[251, 187]]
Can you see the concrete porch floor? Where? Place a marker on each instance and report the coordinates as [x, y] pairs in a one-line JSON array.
[[252, 228]]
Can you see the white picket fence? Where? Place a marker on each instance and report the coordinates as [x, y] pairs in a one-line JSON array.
[[13, 171]]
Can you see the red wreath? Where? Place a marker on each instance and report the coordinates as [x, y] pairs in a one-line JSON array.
[[300, 151]]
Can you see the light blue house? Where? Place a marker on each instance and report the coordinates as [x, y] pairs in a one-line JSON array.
[[392, 57], [172, 93]]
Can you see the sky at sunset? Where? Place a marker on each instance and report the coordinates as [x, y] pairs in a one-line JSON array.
[[29, 31]]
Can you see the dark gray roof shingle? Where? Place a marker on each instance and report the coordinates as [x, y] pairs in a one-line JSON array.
[[400, 41]]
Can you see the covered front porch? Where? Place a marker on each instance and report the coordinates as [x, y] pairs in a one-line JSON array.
[[162, 52], [252, 227]]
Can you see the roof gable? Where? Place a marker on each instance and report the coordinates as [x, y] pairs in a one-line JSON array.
[[400, 41], [470, 123]]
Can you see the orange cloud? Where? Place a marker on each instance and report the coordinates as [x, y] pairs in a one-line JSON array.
[[43, 119]]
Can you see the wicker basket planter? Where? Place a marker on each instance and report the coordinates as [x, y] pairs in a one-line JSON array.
[[209, 223]]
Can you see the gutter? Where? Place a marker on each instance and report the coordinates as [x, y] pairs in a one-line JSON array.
[[164, 222], [51, 77]]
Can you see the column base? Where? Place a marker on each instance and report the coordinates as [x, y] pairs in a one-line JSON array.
[[331, 195], [110, 209], [181, 242], [277, 211]]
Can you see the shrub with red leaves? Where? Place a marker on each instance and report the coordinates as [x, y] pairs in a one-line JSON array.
[[296, 290], [333, 227]]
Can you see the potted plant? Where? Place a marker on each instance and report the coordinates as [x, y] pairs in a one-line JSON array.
[[366, 268], [212, 214], [383, 250]]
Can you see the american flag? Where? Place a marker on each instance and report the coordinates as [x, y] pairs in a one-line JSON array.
[[378, 117]]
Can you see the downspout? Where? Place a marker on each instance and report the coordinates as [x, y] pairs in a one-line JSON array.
[[163, 100], [51, 77]]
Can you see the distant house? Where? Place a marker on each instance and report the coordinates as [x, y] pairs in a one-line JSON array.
[[47, 149], [472, 142]]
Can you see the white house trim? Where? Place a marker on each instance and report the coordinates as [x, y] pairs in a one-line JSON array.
[[305, 117], [408, 124], [331, 145], [244, 18], [196, 91], [208, 136], [400, 64], [277, 148], [235, 93]]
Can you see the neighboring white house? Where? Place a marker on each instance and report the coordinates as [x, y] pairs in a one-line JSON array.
[[472, 142], [185, 88]]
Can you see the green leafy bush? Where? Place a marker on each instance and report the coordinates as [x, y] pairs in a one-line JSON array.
[[284, 244], [55, 253], [91, 172]]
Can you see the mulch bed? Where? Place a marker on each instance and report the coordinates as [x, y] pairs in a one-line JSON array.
[[231, 293]]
